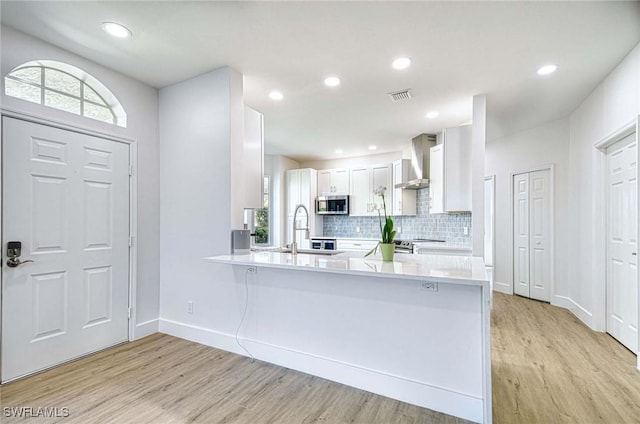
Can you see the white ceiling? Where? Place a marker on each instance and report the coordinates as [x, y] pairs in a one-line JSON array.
[[459, 49]]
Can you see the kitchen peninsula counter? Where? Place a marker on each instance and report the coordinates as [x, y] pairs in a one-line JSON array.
[[438, 268], [416, 329]]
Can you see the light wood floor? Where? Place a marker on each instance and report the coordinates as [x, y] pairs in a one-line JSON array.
[[547, 368]]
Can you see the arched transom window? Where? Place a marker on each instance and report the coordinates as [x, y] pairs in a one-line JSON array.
[[65, 87]]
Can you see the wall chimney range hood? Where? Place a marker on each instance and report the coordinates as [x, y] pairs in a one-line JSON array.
[[419, 170]]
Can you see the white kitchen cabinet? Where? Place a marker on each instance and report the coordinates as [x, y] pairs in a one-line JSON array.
[[450, 172], [356, 245], [333, 182], [359, 199], [302, 190], [403, 201], [363, 181]]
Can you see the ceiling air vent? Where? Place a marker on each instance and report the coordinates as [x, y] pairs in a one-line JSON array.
[[401, 95]]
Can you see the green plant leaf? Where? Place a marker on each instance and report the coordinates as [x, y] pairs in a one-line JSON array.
[[372, 251]]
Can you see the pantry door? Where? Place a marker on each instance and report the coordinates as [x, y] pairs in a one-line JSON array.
[[66, 199], [622, 243], [532, 215]]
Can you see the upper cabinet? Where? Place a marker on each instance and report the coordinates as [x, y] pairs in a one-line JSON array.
[[403, 201], [333, 181], [253, 158], [363, 181], [301, 190], [450, 172]]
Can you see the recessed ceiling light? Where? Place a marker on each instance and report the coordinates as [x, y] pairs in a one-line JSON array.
[[116, 30], [332, 81], [547, 69], [339, 152], [401, 63], [372, 147], [433, 114], [276, 95]]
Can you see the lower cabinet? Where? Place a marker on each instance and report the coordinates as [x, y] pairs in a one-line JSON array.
[[356, 245]]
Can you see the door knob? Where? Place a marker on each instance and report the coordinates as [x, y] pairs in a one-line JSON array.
[[14, 262], [634, 253], [14, 250]]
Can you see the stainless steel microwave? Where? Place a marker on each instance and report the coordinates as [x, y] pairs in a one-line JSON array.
[[332, 205]]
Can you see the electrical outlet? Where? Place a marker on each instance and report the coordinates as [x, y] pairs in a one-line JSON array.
[[189, 307], [252, 270], [465, 230], [398, 230], [429, 286], [357, 229]]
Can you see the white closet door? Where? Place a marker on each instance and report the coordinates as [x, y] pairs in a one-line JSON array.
[[539, 234], [521, 234], [531, 235], [66, 199], [622, 245]]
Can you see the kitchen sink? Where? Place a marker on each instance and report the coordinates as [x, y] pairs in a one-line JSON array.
[[320, 251], [314, 251]]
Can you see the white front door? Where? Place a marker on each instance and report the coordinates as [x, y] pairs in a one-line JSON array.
[[622, 243], [66, 199], [532, 232]]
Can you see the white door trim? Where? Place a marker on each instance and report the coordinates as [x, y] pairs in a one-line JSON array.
[[552, 242], [600, 220], [492, 178], [133, 193]]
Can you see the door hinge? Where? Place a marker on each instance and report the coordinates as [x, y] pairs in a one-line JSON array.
[[129, 311], [130, 241], [130, 169]]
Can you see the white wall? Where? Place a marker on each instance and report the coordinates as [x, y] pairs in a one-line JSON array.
[[478, 149], [614, 103], [200, 194], [141, 104], [527, 150]]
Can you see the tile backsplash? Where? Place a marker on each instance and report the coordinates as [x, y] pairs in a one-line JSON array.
[[448, 227]]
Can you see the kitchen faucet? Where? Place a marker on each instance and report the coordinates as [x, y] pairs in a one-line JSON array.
[[294, 245]]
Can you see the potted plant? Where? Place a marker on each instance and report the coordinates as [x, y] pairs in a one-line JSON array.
[[387, 246]]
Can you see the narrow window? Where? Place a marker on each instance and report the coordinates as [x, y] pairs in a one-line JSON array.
[[261, 223]]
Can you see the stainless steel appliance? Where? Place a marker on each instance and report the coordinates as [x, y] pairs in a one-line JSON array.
[[408, 246], [419, 170], [240, 242], [332, 205], [323, 243]]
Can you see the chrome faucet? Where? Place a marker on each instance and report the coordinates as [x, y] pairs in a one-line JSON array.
[[294, 244]]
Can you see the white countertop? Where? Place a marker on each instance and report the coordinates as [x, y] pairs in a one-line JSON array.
[[439, 268]]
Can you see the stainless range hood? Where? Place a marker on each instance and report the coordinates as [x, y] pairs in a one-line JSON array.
[[419, 171]]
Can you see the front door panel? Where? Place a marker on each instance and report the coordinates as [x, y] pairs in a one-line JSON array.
[[66, 198]]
